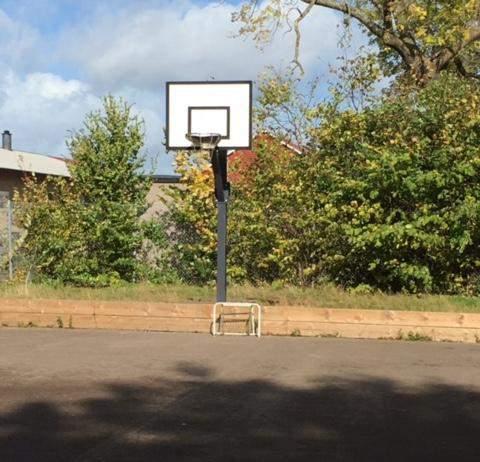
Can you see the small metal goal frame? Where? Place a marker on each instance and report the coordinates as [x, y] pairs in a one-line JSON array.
[[254, 323]]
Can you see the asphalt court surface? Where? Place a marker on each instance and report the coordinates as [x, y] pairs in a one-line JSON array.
[[74, 395]]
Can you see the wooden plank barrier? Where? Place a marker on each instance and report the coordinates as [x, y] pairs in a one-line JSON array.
[[277, 320]]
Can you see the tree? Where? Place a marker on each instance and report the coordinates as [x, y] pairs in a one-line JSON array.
[[259, 208], [267, 235], [190, 220], [396, 192], [386, 197], [282, 110], [52, 246], [415, 39], [86, 230], [107, 172]]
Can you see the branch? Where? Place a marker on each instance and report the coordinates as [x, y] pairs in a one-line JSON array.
[[473, 36], [378, 5], [388, 15], [298, 35], [461, 69], [387, 36], [450, 54], [356, 13]]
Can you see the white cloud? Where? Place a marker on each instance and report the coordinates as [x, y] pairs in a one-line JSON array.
[[38, 107], [145, 47], [148, 105], [134, 51], [41, 108], [18, 41], [131, 51], [52, 87]]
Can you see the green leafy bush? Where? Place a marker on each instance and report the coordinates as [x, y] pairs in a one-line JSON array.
[[387, 198], [86, 230], [397, 191]]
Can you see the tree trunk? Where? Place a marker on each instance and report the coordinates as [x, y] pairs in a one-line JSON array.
[[424, 70]]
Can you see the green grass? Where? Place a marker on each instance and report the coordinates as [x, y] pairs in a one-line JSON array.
[[325, 296]]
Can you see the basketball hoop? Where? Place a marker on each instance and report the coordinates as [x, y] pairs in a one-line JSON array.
[[204, 141], [204, 110], [212, 116]]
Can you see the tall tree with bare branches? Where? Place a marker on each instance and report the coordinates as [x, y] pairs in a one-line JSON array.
[[415, 39]]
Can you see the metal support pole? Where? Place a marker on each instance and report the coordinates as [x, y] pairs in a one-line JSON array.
[[222, 208], [10, 239], [222, 189]]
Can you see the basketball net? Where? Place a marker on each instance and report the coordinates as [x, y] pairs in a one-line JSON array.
[[204, 141]]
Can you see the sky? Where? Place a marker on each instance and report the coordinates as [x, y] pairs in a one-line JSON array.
[[60, 57]]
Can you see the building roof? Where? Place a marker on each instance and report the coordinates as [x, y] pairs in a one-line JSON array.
[[33, 163], [164, 179], [245, 159]]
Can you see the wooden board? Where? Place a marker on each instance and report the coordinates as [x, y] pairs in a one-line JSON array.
[[277, 320]]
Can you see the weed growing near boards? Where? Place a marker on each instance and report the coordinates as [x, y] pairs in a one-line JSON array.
[[413, 337]]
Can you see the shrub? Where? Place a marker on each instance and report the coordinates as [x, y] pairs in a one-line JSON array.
[[397, 191], [387, 198], [86, 230]]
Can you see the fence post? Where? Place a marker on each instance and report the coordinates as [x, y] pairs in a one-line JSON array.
[[10, 238]]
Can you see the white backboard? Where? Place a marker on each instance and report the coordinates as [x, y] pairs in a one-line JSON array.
[[209, 107]]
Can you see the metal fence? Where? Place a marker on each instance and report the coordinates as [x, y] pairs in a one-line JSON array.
[[7, 236]]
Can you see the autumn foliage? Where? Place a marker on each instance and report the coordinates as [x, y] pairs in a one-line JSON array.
[[384, 198]]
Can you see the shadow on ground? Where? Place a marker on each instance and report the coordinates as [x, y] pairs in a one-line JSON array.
[[199, 417]]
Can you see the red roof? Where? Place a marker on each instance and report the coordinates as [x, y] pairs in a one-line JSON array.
[[241, 161]]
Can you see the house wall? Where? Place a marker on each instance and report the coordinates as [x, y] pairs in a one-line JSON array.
[[10, 180], [158, 199]]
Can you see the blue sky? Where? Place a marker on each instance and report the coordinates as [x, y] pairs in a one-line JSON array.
[[59, 57]]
